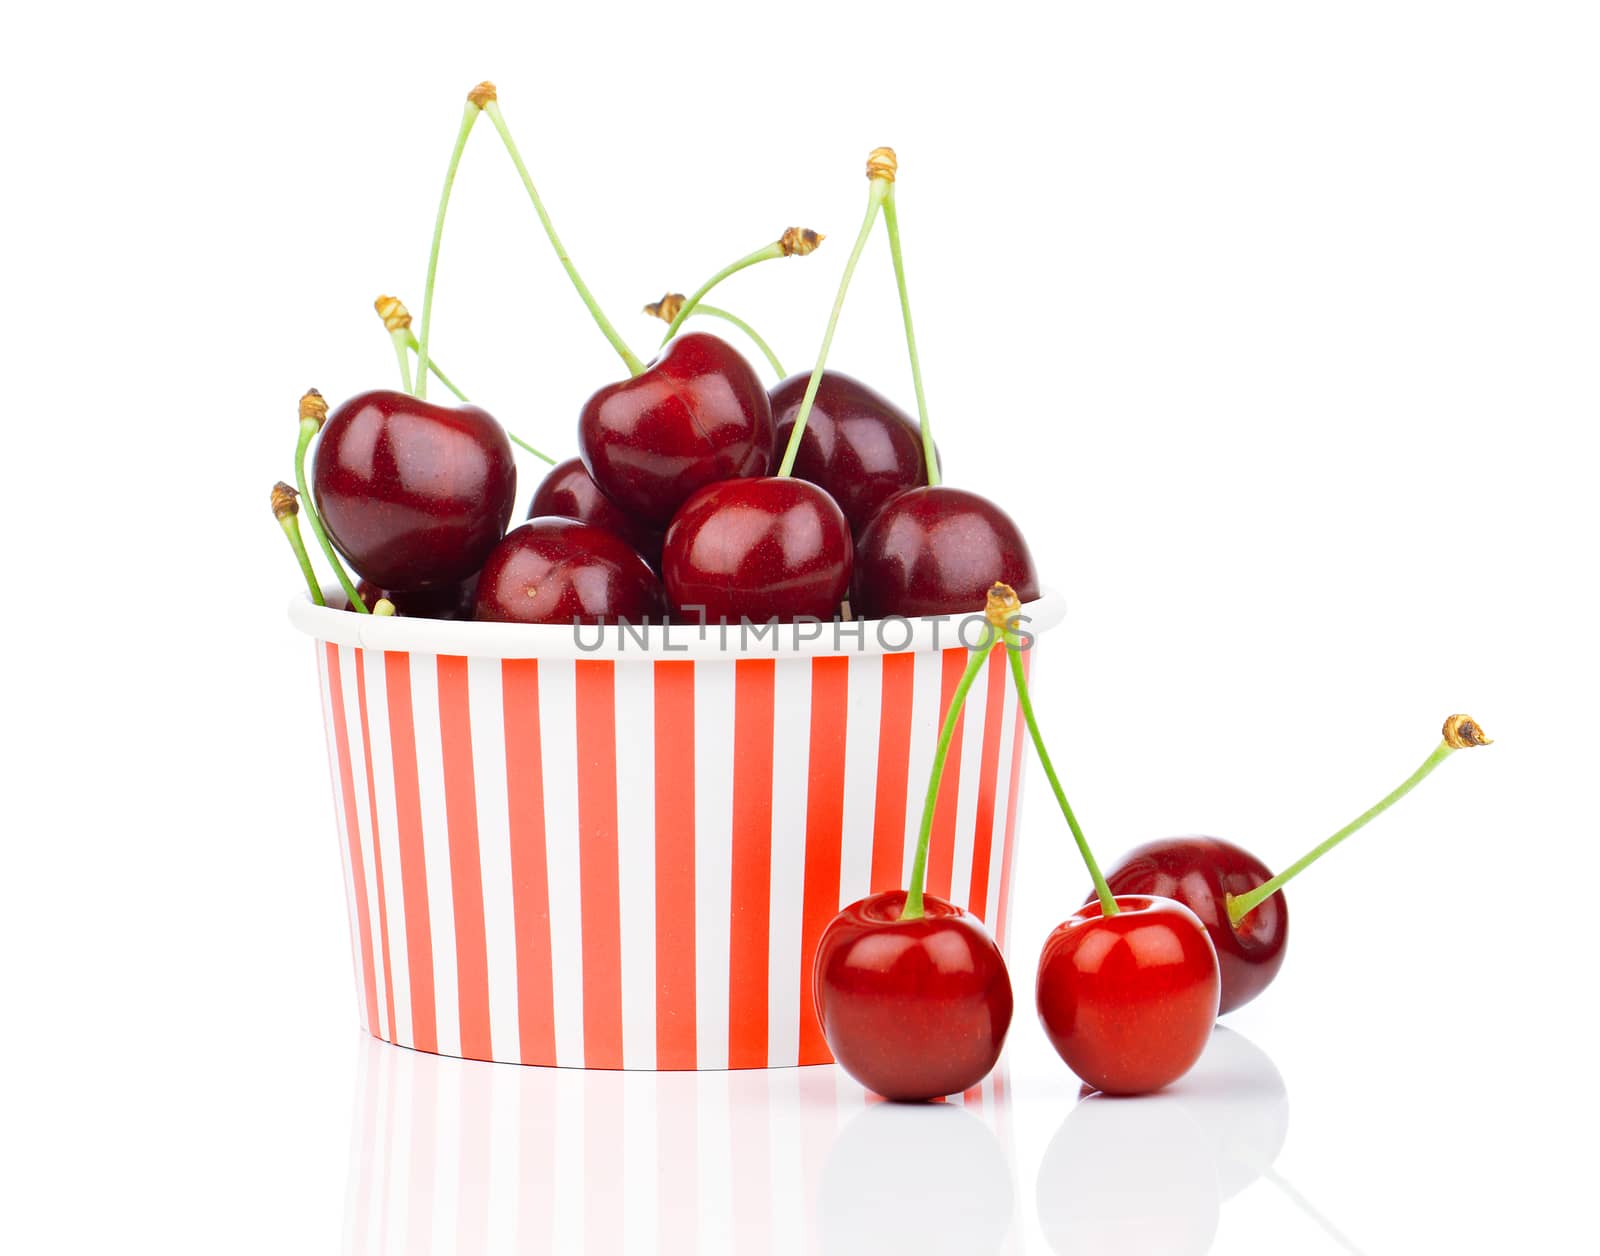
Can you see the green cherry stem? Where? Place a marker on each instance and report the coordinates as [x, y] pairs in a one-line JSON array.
[[1461, 732], [313, 413], [891, 222], [491, 106], [1002, 609], [794, 242], [285, 510], [880, 173], [468, 117], [667, 309]]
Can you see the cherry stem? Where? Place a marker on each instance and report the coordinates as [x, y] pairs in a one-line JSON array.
[[470, 116], [402, 352], [635, 366], [766, 349], [1460, 733], [913, 909], [433, 368], [891, 222], [764, 254], [285, 509], [313, 410], [877, 191]]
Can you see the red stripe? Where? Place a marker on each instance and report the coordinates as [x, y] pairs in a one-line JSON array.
[[377, 848], [988, 778], [352, 827], [1003, 915], [413, 863], [600, 907], [749, 919], [530, 889], [466, 873], [675, 978], [830, 697], [894, 758], [942, 844]]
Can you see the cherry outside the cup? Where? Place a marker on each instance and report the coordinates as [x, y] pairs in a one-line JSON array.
[[561, 571], [413, 494], [858, 444], [569, 491], [936, 550], [758, 549], [696, 415], [912, 1009], [1128, 1000], [1200, 873]]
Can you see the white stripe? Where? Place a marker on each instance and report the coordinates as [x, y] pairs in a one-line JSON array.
[[713, 853], [436, 847], [636, 857], [486, 702], [383, 1149], [791, 765], [714, 1151], [452, 1148], [860, 776], [343, 835], [558, 746], [358, 776], [1002, 799], [503, 1095], [389, 843], [784, 1142], [974, 713], [397, 1182], [638, 1188], [926, 716], [569, 1186]]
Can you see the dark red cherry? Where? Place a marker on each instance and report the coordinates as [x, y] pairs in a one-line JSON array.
[[936, 551], [858, 444], [698, 414], [445, 601], [1200, 873], [414, 495], [560, 571], [568, 490], [768, 548]]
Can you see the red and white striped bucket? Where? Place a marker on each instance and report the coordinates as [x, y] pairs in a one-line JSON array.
[[584, 850]]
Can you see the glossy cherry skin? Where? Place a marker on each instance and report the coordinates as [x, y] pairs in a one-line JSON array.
[[697, 415], [912, 1009], [761, 549], [568, 490], [447, 601], [936, 551], [560, 571], [414, 495], [858, 444], [1128, 1001], [1200, 872]]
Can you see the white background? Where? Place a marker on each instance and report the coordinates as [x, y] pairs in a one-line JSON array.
[[1274, 325]]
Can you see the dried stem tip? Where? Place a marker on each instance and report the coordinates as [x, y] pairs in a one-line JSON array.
[[798, 241], [667, 308], [383, 606], [1003, 605], [285, 501], [314, 408], [882, 164], [393, 312], [1461, 732], [482, 94]]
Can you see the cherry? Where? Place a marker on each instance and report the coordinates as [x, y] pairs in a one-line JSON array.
[[698, 414], [413, 494], [858, 444], [561, 571], [450, 601], [568, 490], [759, 549]]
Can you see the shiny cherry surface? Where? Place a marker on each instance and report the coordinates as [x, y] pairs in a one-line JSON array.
[[1200, 872], [413, 494], [912, 1009], [446, 601], [768, 548], [560, 571], [569, 491], [936, 550], [1128, 1001], [858, 444], [698, 414]]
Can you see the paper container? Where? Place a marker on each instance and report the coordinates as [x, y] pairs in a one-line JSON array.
[[592, 851]]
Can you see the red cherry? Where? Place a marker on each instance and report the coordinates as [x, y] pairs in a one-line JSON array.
[[912, 1009], [568, 490], [560, 571], [761, 549], [413, 494], [858, 444], [698, 414], [1128, 1000], [936, 550], [449, 601], [1200, 872]]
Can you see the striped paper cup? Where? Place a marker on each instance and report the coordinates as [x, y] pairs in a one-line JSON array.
[[606, 848]]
